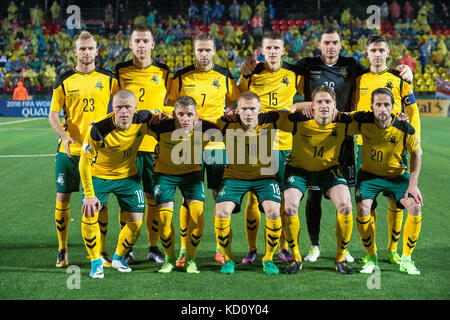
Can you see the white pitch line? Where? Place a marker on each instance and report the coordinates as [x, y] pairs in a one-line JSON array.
[[19, 121], [27, 155]]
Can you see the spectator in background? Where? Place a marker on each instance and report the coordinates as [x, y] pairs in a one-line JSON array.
[[384, 11], [151, 18], [394, 11], [245, 13], [234, 10], [12, 11], [271, 12], [109, 14], [217, 12], [408, 61], [20, 92], [24, 12], [345, 17], [192, 12], [206, 12], [261, 9], [55, 10], [408, 11], [37, 16], [148, 8]]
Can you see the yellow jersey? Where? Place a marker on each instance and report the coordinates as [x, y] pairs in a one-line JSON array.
[[315, 147], [150, 85], [109, 152], [404, 100], [276, 90], [212, 90], [383, 149], [83, 97]]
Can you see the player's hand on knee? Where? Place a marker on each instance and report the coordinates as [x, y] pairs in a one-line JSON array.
[[247, 67], [405, 72], [415, 192], [90, 207]]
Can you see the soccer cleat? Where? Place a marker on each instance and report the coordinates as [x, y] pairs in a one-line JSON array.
[[349, 257], [343, 267], [294, 267], [269, 267], [228, 267], [181, 258], [106, 260], [191, 267], [285, 255], [393, 257], [154, 254], [313, 254], [219, 256], [129, 257], [120, 264], [407, 265], [370, 265], [251, 256], [168, 265], [62, 259], [363, 259], [97, 269]]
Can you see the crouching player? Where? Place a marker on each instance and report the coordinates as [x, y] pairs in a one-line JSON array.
[[108, 165], [385, 142]]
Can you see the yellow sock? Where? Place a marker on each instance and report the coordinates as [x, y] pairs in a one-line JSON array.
[[252, 220], [166, 231], [291, 228], [128, 237], [62, 219], [373, 213], [195, 228], [184, 222], [411, 232], [272, 235], [224, 236], [344, 227], [91, 236], [366, 230], [122, 220], [103, 224], [152, 222], [395, 219]]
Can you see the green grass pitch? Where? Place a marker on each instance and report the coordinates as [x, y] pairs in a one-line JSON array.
[[29, 245]]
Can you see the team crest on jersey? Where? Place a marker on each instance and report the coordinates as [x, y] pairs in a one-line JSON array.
[[334, 133], [343, 72], [99, 85], [155, 79], [389, 85], [60, 179], [285, 81], [393, 140], [216, 83]]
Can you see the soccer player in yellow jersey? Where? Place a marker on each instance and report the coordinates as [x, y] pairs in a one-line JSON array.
[[381, 76], [383, 169], [83, 94], [276, 83], [149, 80], [214, 89], [178, 164], [316, 148], [108, 165]]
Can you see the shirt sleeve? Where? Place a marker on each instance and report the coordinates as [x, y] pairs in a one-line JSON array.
[[88, 154], [174, 90], [58, 98], [411, 108]]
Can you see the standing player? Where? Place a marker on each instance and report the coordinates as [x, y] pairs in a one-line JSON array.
[[149, 80], [276, 83], [317, 144], [83, 93], [213, 89], [108, 165], [381, 76], [338, 73], [385, 142]]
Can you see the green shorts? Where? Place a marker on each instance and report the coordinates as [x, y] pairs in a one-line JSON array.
[[190, 185], [145, 164], [128, 191], [370, 185], [284, 157], [234, 190], [67, 175], [214, 161], [300, 179]]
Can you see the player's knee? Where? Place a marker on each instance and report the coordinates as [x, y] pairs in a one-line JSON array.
[[291, 209], [363, 210], [344, 208], [415, 209]]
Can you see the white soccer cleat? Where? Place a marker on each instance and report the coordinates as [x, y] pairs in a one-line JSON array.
[[313, 254], [120, 264], [348, 257]]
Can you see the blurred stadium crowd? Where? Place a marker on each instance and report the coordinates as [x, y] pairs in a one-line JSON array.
[[36, 46]]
